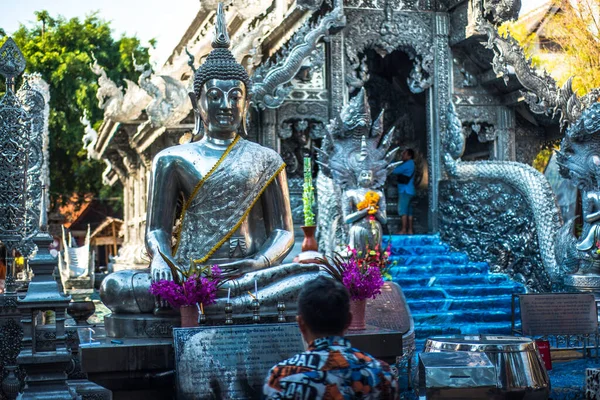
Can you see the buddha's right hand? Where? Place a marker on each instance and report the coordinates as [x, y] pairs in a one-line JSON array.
[[159, 270]]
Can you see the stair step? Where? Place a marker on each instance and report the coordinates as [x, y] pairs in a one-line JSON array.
[[484, 290], [439, 249], [494, 328], [461, 317], [430, 259], [476, 291], [449, 280], [433, 270], [501, 302], [411, 240], [447, 293]]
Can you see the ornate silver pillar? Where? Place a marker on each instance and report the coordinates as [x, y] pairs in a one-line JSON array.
[[16, 227], [34, 95], [43, 356], [268, 134], [338, 89], [438, 98], [504, 146]]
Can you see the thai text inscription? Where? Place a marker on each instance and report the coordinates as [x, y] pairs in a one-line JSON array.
[[558, 314], [231, 361]]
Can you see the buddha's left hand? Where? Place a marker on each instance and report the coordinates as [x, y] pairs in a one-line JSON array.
[[243, 266]]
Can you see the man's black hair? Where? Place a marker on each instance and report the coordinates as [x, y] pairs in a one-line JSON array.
[[411, 153], [324, 305]]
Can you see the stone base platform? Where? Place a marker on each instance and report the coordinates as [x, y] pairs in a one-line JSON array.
[[79, 283], [143, 368], [89, 390], [149, 326], [583, 283], [140, 325], [131, 368]]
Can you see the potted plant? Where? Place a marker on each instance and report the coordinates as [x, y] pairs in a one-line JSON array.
[[308, 199], [362, 275], [189, 290]]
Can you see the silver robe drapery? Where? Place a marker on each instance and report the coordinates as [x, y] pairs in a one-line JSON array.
[[217, 221]]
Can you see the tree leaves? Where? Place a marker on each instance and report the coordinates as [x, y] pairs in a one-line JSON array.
[[61, 50], [567, 42]]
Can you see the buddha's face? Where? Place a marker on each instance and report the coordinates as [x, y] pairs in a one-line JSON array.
[[365, 178], [222, 105]]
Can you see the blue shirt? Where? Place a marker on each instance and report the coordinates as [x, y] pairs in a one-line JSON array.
[[406, 168]]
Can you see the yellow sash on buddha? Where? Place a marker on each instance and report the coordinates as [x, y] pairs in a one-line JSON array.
[[223, 198]]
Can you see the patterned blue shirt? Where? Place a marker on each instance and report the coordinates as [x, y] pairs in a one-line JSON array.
[[331, 370]]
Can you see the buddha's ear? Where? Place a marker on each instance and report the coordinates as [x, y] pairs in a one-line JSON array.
[[198, 124], [194, 100], [244, 126]]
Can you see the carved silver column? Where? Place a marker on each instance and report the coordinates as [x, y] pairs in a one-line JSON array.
[[23, 228], [268, 134], [15, 129], [338, 88], [438, 96], [504, 146], [34, 95]]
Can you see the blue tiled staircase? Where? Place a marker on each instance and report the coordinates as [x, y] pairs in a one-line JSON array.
[[447, 293]]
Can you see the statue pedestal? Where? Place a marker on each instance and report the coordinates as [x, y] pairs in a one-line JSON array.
[[143, 366], [141, 325], [583, 283]]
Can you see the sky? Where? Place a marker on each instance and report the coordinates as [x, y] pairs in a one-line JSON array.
[[528, 5], [165, 21]]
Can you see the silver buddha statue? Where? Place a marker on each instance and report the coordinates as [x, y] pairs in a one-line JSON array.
[[357, 158], [365, 221], [236, 211]]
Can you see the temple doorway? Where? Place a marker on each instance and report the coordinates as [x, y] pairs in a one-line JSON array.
[[387, 88]]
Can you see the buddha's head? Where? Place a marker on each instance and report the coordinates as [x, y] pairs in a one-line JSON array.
[[220, 87], [365, 178]]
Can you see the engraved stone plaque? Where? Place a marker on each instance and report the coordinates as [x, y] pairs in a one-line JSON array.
[[230, 362], [558, 314]]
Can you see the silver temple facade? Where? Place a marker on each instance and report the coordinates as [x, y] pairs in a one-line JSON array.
[[414, 58]]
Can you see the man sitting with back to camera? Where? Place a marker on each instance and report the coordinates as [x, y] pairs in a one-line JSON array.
[[331, 368]]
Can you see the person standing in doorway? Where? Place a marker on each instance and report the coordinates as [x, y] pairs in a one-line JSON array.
[[405, 175]]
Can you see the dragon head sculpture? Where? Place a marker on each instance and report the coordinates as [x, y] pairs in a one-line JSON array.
[[355, 143], [579, 154]]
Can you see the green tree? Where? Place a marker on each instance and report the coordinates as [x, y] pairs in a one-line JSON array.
[[61, 50], [570, 45]]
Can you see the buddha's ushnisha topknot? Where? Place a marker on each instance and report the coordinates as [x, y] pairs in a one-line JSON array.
[[221, 38], [220, 63]]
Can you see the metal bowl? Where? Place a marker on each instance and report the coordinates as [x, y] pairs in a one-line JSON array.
[[520, 370], [81, 311]]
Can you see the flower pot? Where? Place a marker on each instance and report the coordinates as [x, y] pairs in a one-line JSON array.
[[81, 311], [189, 316], [11, 385], [309, 243], [357, 308]]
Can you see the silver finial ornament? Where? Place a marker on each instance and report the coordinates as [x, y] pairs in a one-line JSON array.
[[221, 39], [12, 62]]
